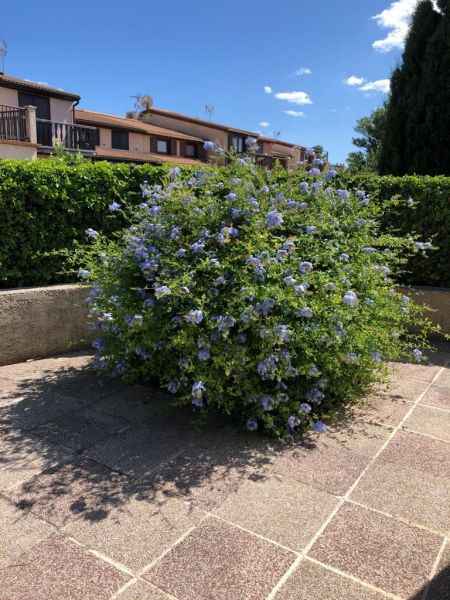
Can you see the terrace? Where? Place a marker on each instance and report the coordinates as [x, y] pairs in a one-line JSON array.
[[108, 494]]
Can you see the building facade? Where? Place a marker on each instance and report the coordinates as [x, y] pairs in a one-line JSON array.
[[34, 118]]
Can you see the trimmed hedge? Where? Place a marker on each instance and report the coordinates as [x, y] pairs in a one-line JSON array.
[[47, 205], [429, 218]]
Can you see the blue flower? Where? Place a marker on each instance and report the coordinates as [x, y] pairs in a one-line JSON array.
[[197, 247], [344, 257], [330, 174], [319, 427], [208, 146], [305, 312], [343, 194], [292, 422], [198, 389], [274, 219], [304, 186], [204, 354], [231, 196], [252, 424], [350, 298], [91, 233], [173, 172], [99, 344], [417, 353], [310, 229], [314, 171], [181, 252], [315, 395], [267, 367], [194, 316], [114, 207], [368, 250], [84, 273], [305, 407], [162, 291], [173, 386], [305, 266], [377, 356]]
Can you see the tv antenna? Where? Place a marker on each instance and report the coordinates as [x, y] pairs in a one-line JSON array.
[[276, 134], [3, 53], [209, 110]]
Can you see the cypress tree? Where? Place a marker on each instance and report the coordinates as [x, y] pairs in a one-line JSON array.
[[434, 153], [407, 106]]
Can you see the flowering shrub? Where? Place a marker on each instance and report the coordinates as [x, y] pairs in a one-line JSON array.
[[270, 298]]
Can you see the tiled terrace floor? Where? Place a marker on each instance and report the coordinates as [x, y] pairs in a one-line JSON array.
[[106, 494]]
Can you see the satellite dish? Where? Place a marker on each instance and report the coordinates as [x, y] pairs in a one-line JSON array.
[[3, 53], [146, 102]]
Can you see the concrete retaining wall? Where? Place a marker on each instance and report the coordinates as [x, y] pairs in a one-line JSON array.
[[438, 299], [40, 322], [43, 321]]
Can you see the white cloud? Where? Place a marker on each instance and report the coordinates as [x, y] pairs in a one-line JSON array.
[[353, 80], [268, 89], [396, 18], [382, 85], [303, 71], [264, 124], [294, 113], [294, 97]]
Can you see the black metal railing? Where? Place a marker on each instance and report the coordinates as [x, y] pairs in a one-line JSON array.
[[267, 161], [73, 137], [13, 123]]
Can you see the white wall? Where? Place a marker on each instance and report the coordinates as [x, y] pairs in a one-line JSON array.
[[18, 151], [9, 97], [61, 110]]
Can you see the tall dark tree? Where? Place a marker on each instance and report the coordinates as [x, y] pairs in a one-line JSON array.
[[406, 110]]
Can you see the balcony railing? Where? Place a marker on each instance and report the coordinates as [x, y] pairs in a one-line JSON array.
[[73, 137], [13, 123], [267, 161]]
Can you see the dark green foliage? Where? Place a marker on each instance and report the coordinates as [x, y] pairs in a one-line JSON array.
[[371, 130], [429, 218], [47, 205], [417, 121]]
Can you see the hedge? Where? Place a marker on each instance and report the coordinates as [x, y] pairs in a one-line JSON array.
[[429, 218], [47, 205]]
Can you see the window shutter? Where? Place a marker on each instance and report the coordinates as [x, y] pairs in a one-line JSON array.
[[153, 144], [182, 147]]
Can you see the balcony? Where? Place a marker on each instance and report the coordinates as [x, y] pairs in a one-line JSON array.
[[77, 138], [13, 124], [268, 162]]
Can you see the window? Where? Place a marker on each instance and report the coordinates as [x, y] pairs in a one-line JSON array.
[[119, 139], [191, 150], [238, 143], [42, 104], [162, 146]]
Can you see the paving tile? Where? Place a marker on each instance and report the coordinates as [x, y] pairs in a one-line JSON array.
[[438, 396], [420, 372], [382, 551], [381, 408], [32, 409], [57, 569], [142, 591], [418, 452], [73, 491], [402, 492], [22, 455], [358, 435], [282, 510], [81, 429], [313, 582], [444, 378], [20, 532], [440, 585], [222, 562], [431, 421], [137, 532], [208, 472], [136, 403], [322, 466], [404, 389], [139, 450]]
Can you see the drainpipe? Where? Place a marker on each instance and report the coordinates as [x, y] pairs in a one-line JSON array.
[[76, 103]]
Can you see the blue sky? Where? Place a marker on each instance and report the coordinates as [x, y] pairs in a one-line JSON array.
[[223, 53]]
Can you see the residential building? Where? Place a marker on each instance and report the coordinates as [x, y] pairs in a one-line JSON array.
[[34, 117], [130, 140]]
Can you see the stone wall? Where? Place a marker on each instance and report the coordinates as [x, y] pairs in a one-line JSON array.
[[43, 321]]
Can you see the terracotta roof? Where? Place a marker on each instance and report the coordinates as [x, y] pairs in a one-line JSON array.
[[96, 118], [25, 85], [212, 124], [126, 155]]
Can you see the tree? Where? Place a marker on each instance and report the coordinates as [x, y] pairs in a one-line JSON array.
[[407, 136], [371, 130]]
